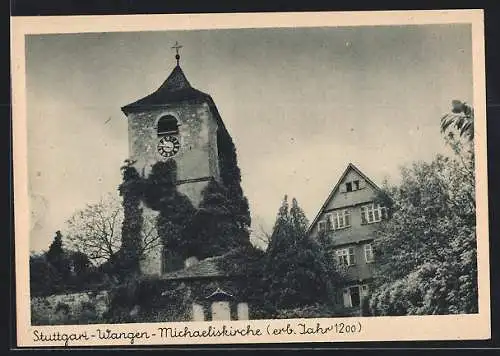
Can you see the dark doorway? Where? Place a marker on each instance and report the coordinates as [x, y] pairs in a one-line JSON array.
[[355, 296]]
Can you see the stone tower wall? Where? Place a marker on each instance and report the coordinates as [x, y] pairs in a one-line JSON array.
[[197, 158]]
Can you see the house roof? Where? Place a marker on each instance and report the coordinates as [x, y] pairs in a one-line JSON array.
[[235, 262], [175, 88], [206, 268], [350, 167]]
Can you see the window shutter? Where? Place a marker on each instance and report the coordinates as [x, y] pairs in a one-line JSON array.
[[368, 253], [347, 298], [343, 188], [328, 223], [363, 215], [362, 184], [352, 256], [347, 217]]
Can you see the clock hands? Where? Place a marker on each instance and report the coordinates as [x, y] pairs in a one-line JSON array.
[[168, 146]]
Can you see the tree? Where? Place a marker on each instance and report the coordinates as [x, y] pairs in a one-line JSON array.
[[231, 179], [44, 278], [131, 191], [426, 252], [96, 231], [57, 259], [175, 211], [216, 226], [298, 270], [81, 265], [461, 117]]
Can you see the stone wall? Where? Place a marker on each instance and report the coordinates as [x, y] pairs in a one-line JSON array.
[[72, 308], [197, 159], [197, 156]]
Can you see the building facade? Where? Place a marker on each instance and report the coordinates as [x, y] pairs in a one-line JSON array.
[[180, 123], [346, 224]]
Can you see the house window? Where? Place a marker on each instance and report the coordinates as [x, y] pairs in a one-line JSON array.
[[356, 184], [343, 219], [167, 125], [348, 186], [368, 253], [372, 213], [346, 256], [322, 226], [339, 220]]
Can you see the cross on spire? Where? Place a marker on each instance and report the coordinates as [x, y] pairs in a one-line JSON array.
[[177, 46]]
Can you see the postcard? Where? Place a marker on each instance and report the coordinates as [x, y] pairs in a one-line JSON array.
[[250, 178]]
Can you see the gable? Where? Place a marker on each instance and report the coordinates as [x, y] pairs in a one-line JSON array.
[[340, 197]]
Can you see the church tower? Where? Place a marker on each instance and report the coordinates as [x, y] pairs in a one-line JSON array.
[[181, 123]]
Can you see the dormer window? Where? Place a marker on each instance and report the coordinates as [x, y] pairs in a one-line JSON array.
[[352, 186], [356, 184], [167, 125]]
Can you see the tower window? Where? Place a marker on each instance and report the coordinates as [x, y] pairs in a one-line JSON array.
[[167, 125]]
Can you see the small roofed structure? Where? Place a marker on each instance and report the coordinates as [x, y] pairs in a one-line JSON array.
[[220, 295], [208, 268], [216, 288]]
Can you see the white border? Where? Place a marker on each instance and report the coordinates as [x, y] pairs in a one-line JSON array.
[[450, 327]]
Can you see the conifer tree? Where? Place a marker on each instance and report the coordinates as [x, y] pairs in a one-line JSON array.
[[299, 271], [56, 257], [231, 179], [216, 227]]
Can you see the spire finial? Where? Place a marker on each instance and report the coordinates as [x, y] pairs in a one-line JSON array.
[[177, 46]]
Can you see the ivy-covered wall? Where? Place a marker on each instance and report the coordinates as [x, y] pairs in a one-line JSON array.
[[71, 308], [199, 219]]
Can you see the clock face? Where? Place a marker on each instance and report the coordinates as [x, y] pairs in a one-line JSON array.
[[168, 146]]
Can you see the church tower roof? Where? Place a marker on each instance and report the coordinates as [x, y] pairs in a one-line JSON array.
[[175, 88]]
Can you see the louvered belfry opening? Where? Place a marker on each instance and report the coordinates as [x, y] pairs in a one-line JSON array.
[[167, 125]]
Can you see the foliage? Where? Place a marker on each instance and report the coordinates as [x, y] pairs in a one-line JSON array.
[[316, 310], [149, 299], [131, 191], [96, 229], [426, 252], [231, 179], [160, 184], [44, 278], [298, 270], [461, 118], [216, 227], [55, 256], [175, 210], [115, 234], [62, 270]]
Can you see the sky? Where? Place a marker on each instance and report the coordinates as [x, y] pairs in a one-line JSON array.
[[300, 104]]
